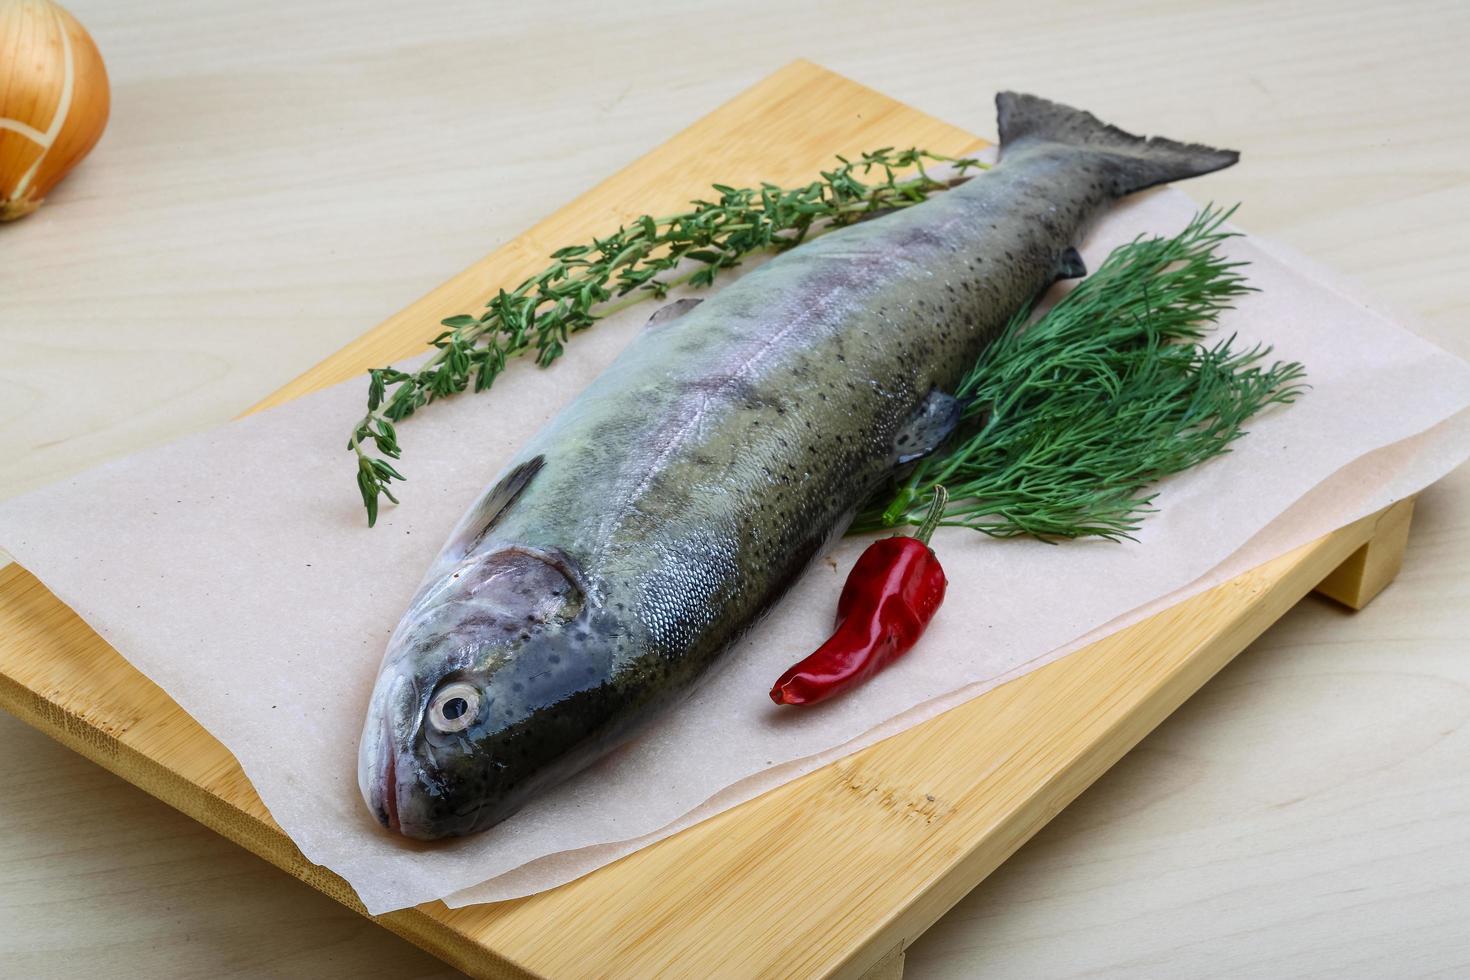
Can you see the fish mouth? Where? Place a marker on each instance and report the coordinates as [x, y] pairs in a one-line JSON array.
[[378, 770], [388, 787], [382, 789]]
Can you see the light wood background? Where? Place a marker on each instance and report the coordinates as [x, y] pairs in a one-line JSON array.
[[279, 177]]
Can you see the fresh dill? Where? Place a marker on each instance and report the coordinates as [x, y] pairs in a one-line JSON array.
[[643, 259], [1070, 418]]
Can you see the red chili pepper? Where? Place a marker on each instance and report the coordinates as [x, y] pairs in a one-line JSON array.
[[890, 595]]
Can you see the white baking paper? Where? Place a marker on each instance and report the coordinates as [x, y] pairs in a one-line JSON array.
[[233, 568]]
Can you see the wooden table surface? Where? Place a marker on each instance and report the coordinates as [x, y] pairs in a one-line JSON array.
[[278, 177]]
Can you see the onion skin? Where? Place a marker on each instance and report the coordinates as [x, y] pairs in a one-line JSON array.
[[54, 101]]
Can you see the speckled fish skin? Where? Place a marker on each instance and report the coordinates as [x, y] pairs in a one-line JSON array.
[[656, 518]]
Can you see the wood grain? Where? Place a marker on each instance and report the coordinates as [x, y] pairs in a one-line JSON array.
[[927, 823], [1369, 570], [230, 236]]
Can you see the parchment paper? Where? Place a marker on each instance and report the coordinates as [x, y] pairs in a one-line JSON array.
[[233, 568]]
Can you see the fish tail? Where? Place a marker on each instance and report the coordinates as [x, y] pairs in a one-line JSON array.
[[1136, 162]]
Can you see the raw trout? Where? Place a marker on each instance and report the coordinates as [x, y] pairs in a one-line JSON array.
[[655, 519]]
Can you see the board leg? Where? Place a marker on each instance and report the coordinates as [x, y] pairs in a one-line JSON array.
[[890, 967], [1368, 570]]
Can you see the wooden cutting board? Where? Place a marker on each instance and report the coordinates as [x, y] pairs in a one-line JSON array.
[[832, 874]]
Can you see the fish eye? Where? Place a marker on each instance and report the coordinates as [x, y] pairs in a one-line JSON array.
[[454, 708]]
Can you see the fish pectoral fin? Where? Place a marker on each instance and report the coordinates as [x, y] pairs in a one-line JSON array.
[[672, 311], [1070, 265], [936, 418], [492, 505]]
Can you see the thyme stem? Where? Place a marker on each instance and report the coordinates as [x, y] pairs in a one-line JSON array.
[[588, 282]]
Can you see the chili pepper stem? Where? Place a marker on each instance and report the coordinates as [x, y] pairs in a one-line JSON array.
[[935, 515], [893, 516]]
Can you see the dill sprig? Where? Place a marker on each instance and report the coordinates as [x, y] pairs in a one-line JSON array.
[[1073, 416], [643, 259]]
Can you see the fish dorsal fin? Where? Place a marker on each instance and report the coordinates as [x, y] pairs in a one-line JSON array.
[[936, 418], [491, 507], [672, 311]]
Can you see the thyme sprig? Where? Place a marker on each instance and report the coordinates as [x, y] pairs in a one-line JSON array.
[[1073, 416], [642, 259]]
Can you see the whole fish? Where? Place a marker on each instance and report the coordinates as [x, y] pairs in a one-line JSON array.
[[653, 521]]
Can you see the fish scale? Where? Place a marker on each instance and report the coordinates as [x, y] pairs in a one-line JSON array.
[[653, 521]]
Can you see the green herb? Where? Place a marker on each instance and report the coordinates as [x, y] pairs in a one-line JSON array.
[[645, 258], [1072, 416]]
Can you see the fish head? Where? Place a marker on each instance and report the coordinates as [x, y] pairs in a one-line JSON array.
[[463, 719]]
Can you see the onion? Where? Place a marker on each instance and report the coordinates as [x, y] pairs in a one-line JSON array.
[[54, 100]]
